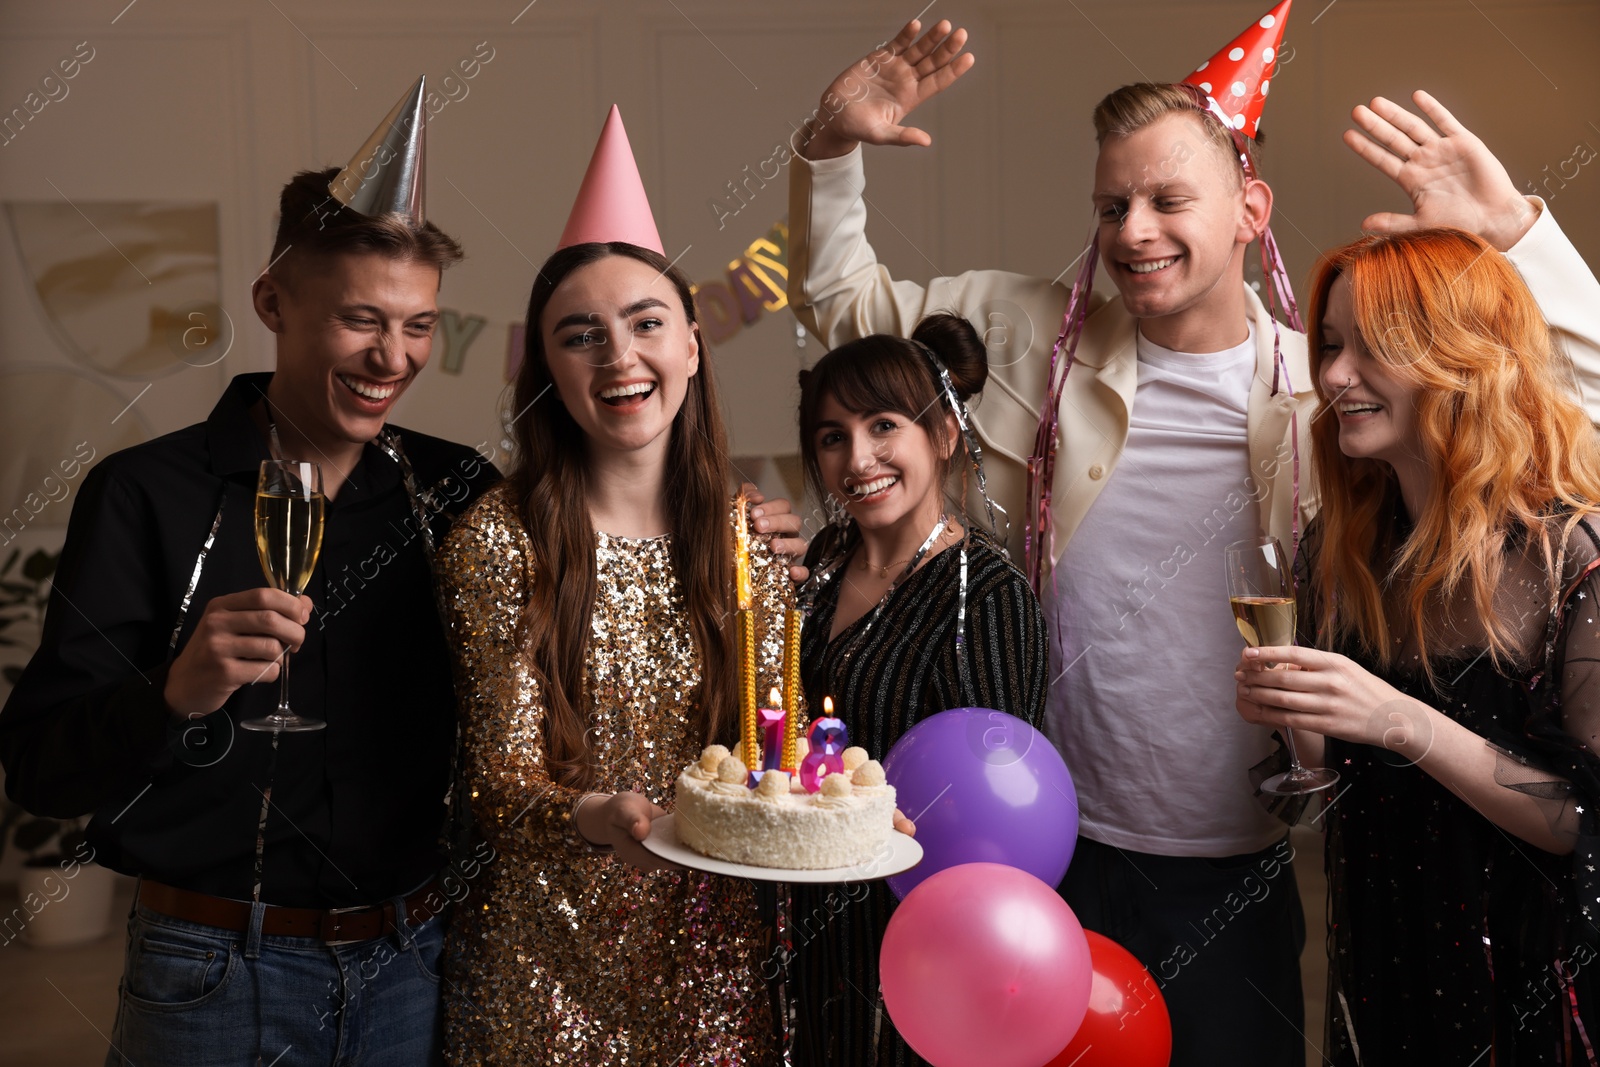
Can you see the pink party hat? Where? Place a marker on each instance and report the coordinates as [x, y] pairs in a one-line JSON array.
[[611, 204], [1237, 78]]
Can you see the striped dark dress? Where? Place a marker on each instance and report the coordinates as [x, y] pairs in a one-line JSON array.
[[902, 671]]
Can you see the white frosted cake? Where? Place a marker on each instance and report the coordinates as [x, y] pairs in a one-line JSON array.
[[778, 824]]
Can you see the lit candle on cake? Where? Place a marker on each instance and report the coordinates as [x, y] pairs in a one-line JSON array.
[[828, 739], [747, 636], [791, 687], [771, 721]]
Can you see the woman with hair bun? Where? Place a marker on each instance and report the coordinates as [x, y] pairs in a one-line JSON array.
[[1448, 667], [912, 610]]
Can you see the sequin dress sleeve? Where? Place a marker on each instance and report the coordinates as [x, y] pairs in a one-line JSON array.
[[484, 571], [556, 954]]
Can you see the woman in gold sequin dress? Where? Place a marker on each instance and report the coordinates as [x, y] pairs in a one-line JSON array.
[[586, 599]]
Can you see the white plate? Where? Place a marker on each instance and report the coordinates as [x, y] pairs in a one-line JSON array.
[[904, 854]]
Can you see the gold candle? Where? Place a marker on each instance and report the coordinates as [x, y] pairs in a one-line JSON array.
[[741, 554], [747, 637], [747, 689], [791, 685]]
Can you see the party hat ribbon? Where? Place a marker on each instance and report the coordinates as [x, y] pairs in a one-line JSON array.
[[387, 173], [611, 204], [1237, 78]]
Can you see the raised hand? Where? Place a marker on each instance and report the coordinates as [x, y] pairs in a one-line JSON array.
[[1450, 175], [869, 101]]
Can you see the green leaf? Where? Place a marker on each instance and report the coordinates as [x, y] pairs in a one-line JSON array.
[[40, 565], [72, 842], [36, 833]]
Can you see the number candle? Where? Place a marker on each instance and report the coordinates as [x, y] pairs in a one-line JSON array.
[[771, 721], [828, 739]]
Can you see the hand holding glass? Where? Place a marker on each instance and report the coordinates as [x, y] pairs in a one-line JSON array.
[[289, 507], [1261, 593]]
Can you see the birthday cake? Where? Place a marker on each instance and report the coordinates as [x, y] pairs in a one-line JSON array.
[[779, 823], [782, 800]]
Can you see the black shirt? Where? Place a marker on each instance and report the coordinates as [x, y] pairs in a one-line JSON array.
[[356, 809]]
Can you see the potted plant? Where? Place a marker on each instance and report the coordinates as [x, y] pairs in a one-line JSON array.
[[24, 591], [63, 897]]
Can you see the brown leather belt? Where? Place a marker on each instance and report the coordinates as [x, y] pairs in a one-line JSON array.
[[333, 924]]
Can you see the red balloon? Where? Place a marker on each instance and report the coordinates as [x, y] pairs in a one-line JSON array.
[[1127, 1023]]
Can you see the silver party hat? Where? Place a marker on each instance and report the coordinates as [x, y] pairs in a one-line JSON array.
[[387, 173]]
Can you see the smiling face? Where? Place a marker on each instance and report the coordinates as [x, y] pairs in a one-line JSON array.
[[882, 466], [1175, 217], [1377, 412], [353, 331], [621, 351]]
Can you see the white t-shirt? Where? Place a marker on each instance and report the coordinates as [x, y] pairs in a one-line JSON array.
[[1143, 643]]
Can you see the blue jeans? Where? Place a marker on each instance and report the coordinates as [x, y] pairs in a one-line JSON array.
[[198, 996]]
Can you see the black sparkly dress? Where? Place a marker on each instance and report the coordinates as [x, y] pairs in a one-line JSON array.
[[886, 675], [1451, 941]]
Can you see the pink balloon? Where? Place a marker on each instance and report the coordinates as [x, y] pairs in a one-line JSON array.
[[984, 964]]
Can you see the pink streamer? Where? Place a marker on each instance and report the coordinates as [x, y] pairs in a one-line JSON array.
[[1039, 520], [1039, 526], [1572, 999]]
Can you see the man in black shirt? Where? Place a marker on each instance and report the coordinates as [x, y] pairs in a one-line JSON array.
[[290, 886], [289, 893]]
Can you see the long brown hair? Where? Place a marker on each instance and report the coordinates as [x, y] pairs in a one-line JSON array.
[[550, 477], [1445, 314]]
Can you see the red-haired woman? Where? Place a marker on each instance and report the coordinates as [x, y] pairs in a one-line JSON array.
[[586, 599], [1451, 579]]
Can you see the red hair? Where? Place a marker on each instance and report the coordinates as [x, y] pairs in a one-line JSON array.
[[1498, 424]]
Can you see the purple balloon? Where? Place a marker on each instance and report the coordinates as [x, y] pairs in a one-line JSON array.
[[983, 787]]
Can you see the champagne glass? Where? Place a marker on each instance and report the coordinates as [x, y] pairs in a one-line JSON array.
[[1261, 593], [289, 506]]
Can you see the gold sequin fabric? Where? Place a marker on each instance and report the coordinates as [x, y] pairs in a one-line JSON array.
[[560, 955]]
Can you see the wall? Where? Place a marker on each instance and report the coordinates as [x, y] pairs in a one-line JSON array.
[[211, 106]]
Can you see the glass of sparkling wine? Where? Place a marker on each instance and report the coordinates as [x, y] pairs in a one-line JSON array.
[[1261, 592], [289, 507]]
